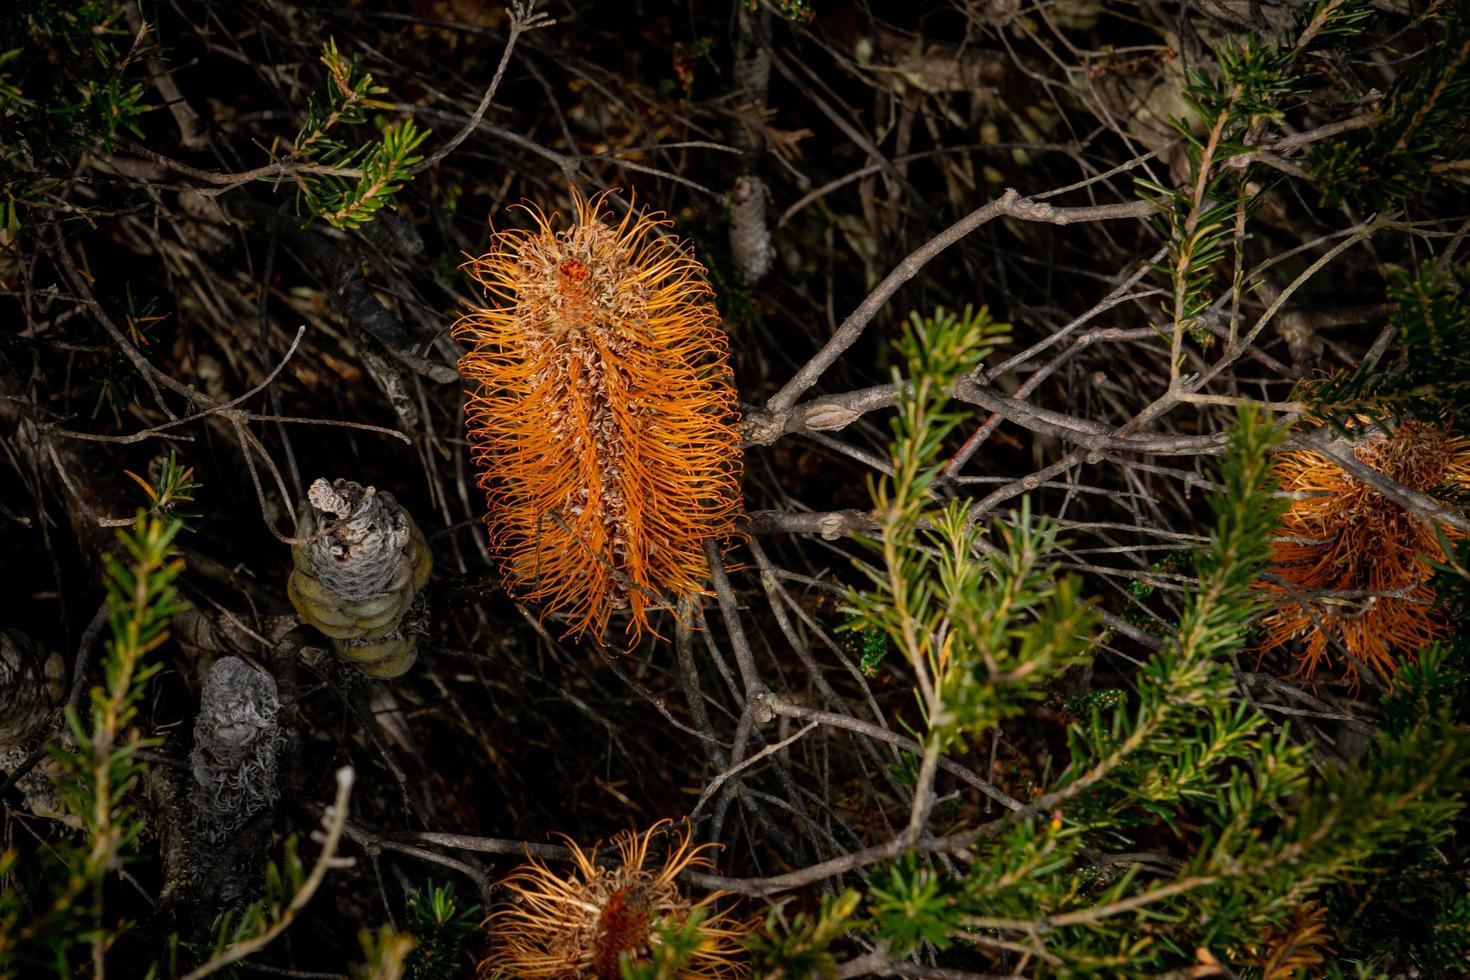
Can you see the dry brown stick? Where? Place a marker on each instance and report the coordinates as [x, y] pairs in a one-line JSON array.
[[284, 167], [755, 687], [879, 733], [1011, 204], [213, 409], [523, 18], [1421, 506]]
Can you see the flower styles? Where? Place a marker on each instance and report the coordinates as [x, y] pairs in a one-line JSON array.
[[584, 924], [603, 418], [1341, 535]]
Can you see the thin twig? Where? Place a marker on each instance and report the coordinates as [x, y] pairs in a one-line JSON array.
[[336, 823], [523, 18]]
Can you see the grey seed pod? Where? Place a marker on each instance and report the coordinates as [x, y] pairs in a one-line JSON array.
[[36, 788], [236, 740], [31, 684], [357, 581], [391, 655], [750, 239], [752, 59]]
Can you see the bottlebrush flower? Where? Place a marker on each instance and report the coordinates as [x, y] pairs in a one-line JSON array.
[[585, 923], [603, 418], [1340, 535]]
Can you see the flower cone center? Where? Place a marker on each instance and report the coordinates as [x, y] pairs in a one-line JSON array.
[[623, 928]]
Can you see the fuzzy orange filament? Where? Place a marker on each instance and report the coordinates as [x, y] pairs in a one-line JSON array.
[[590, 920], [1341, 535], [602, 417]]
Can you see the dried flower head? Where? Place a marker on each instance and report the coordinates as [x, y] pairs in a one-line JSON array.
[[1363, 552], [1298, 947], [588, 922], [603, 417]]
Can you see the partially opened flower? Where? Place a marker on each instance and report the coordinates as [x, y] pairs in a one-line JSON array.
[[589, 921], [603, 417], [1353, 562]]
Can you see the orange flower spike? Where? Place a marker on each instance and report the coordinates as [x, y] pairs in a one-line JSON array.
[[584, 924], [603, 418], [1340, 535]]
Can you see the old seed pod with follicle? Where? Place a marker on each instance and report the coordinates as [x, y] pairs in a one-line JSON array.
[[590, 921], [357, 577], [32, 683], [237, 737], [602, 415], [1351, 565]]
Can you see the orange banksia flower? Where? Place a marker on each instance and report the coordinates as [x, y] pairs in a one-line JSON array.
[[603, 416], [584, 924], [1341, 536]]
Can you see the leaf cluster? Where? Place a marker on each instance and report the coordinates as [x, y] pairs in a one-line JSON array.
[[442, 928], [800, 946], [677, 942], [1245, 839], [981, 623], [283, 879], [913, 902], [69, 78], [1424, 136], [1234, 103], [1430, 379], [56, 918], [348, 183], [172, 484]]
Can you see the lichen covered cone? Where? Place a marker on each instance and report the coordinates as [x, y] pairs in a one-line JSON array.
[[358, 575], [589, 921], [602, 415], [1349, 564], [237, 738]]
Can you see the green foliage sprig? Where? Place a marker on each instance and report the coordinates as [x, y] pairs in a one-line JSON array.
[[172, 485], [1179, 760], [283, 879], [677, 942], [72, 81], [1176, 747], [289, 886], [981, 624], [800, 946], [386, 954], [1416, 902], [795, 11], [1170, 753], [1430, 379], [442, 928], [331, 189], [1423, 137], [1195, 222], [1235, 104], [98, 772], [1384, 829], [935, 352]]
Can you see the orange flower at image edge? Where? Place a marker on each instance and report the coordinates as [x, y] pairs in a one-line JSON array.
[[585, 923], [1359, 557], [603, 418]]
